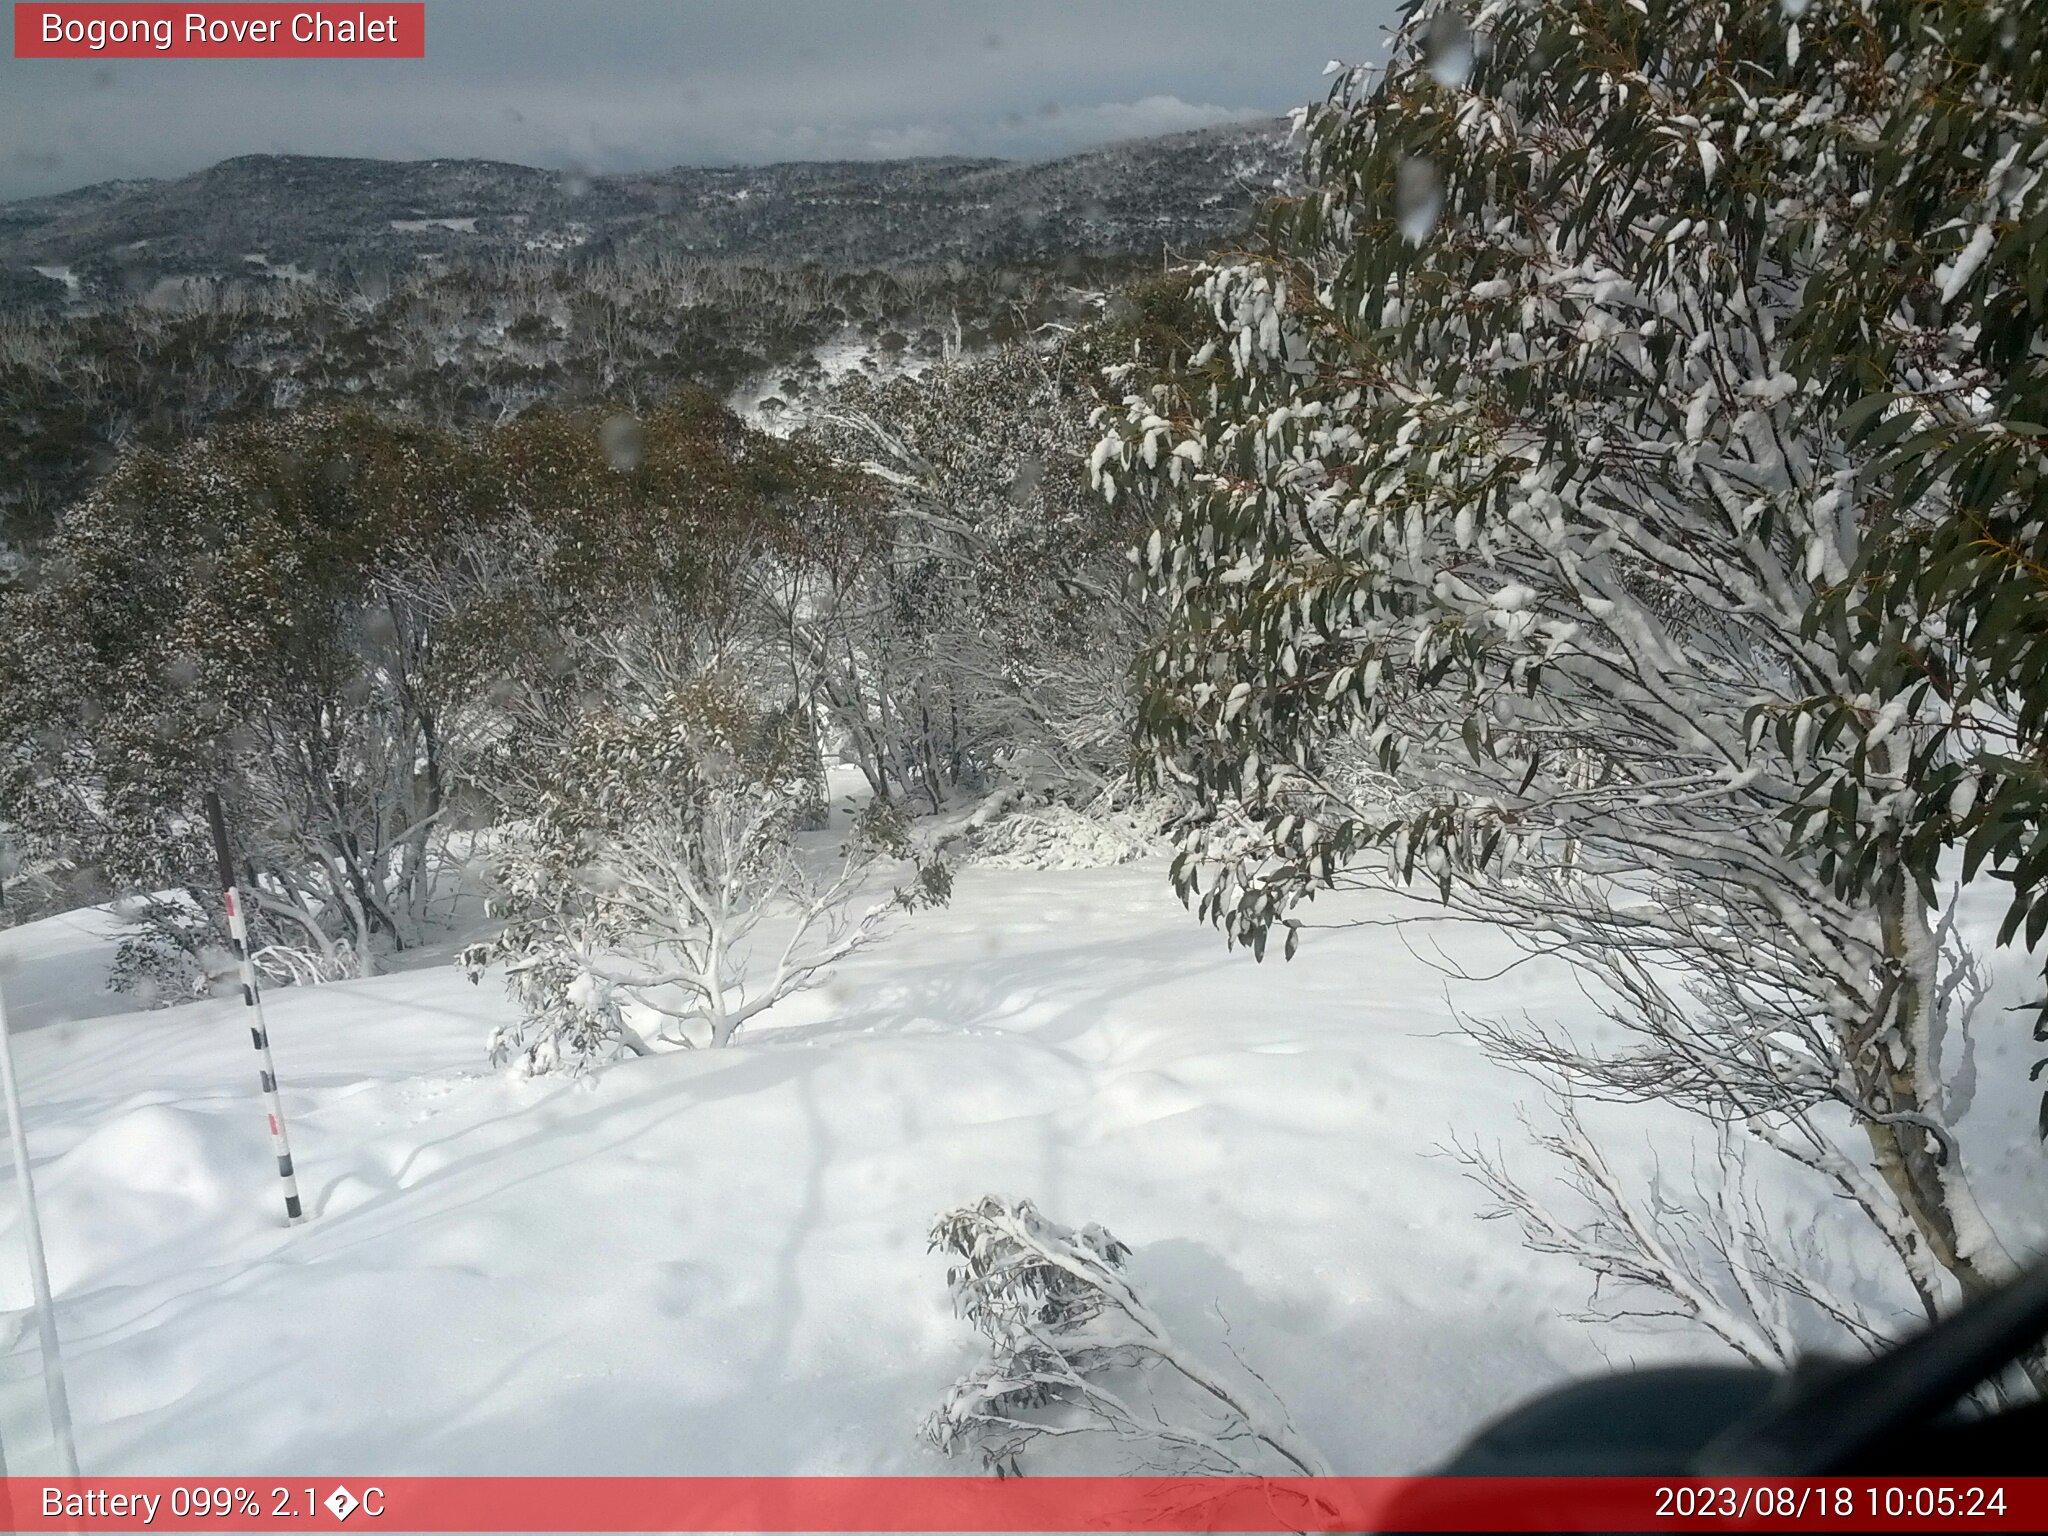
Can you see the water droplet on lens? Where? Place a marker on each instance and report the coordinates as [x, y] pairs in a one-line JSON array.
[[1447, 49], [1024, 485], [1418, 198], [625, 442]]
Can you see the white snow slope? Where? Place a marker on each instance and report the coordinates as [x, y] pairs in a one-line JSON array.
[[714, 1262]]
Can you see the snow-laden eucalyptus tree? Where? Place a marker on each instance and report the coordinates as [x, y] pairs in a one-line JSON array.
[[1491, 503]]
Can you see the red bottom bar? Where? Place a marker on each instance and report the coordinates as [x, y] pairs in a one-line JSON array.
[[970, 1504]]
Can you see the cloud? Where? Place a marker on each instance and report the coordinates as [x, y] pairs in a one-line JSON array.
[[1107, 121]]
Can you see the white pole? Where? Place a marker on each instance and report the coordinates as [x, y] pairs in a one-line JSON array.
[[38, 1267]]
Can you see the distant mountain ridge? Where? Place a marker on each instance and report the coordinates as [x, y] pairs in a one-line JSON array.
[[290, 214]]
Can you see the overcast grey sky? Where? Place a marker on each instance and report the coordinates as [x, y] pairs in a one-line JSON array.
[[625, 84]]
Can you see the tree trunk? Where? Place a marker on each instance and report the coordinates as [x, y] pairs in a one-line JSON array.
[[1900, 1077], [1921, 1165]]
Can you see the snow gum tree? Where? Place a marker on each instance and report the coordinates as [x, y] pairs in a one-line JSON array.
[[990, 621], [240, 615], [1929, 336], [1492, 500], [630, 554]]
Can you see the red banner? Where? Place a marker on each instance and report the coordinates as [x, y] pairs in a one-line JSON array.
[[920, 1504], [107, 29]]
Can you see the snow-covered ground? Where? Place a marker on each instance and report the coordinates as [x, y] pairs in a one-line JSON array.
[[714, 1262]]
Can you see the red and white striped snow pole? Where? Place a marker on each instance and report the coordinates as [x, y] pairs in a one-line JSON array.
[[238, 929]]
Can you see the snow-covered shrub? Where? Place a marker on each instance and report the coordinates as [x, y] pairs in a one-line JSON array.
[[566, 1018], [657, 895], [1058, 836], [169, 958], [175, 953], [297, 965], [1075, 1351]]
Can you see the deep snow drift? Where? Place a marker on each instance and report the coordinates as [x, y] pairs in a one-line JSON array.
[[714, 1262]]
